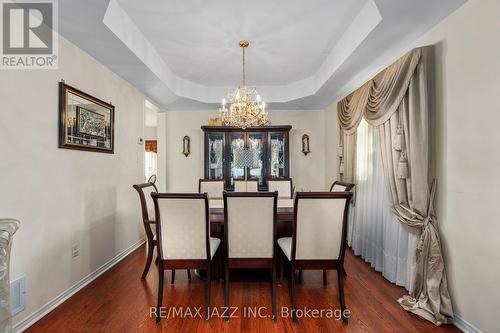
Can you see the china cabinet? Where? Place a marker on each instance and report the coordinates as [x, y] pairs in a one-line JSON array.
[[256, 153]]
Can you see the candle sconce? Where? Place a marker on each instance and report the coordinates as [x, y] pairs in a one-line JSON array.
[[305, 144], [186, 146]]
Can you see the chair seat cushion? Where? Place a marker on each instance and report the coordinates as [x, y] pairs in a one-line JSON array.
[[214, 245], [285, 244]]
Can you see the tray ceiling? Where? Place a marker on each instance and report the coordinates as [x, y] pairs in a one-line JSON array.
[[303, 54]]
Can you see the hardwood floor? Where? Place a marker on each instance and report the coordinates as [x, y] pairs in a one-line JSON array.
[[119, 301]]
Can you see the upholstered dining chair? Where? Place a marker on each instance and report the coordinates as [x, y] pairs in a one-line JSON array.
[[250, 235], [213, 187], [149, 222], [284, 186], [250, 185], [319, 237], [339, 186], [183, 236], [240, 186]]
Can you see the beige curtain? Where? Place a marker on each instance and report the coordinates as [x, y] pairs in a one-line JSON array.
[[397, 103]]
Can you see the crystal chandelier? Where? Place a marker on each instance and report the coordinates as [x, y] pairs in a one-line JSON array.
[[246, 108]]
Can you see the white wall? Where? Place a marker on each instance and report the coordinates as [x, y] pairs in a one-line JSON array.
[[65, 196], [332, 142], [150, 132], [183, 172], [467, 156]]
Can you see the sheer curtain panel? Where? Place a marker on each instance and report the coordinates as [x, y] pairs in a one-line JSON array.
[[375, 232]]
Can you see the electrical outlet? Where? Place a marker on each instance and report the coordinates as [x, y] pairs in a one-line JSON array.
[[75, 251], [17, 295]]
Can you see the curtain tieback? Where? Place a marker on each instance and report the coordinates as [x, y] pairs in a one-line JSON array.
[[429, 218]]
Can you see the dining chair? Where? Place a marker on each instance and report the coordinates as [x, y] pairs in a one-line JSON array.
[[319, 238], [149, 222], [252, 185], [213, 187], [240, 186], [183, 234], [250, 235], [339, 186], [246, 185], [284, 186]]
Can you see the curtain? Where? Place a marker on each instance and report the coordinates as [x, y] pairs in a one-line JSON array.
[[396, 101], [375, 233]]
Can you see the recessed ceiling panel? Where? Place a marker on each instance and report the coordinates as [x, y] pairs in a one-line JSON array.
[[198, 40]]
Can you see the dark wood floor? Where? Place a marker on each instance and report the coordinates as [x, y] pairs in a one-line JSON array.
[[119, 301]]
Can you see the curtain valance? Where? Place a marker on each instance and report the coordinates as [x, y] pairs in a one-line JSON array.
[[380, 97], [151, 146]]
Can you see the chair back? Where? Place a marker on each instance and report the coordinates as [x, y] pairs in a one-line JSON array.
[[246, 186], [249, 220], [240, 186], [283, 186], [320, 226], [147, 205], [213, 187], [182, 226], [252, 186], [339, 186]]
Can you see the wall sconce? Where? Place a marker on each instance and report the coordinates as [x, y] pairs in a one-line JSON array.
[[305, 144], [186, 146]]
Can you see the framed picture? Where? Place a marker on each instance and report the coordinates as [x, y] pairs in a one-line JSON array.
[[85, 122]]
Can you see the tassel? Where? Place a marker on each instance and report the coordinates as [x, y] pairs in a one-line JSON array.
[[342, 167], [340, 150], [403, 166], [398, 139]]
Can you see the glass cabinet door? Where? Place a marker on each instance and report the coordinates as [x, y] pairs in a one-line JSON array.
[[277, 155], [215, 155], [237, 163], [256, 167]]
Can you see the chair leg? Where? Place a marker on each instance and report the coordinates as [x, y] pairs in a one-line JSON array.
[[207, 293], [340, 275], [148, 260], [282, 266], [217, 266], [173, 277], [345, 273], [226, 291], [160, 294], [189, 274], [324, 277], [293, 294], [273, 291], [300, 277]]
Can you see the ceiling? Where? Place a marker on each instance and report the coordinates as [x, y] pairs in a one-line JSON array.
[[184, 54]]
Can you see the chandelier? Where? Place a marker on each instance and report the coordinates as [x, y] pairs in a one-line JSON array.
[[246, 109]]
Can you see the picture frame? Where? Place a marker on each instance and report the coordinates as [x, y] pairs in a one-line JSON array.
[[85, 122]]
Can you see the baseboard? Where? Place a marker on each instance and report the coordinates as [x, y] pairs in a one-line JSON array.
[[464, 325], [51, 305]]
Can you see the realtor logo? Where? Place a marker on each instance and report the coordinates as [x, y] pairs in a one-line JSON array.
[[29, 39]]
